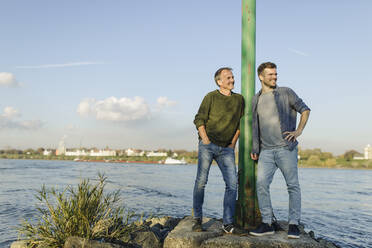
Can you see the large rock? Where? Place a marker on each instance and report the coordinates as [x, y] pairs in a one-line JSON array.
[[77, 242], [278, 240], [182, 236]]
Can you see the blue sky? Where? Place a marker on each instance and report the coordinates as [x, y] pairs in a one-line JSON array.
[[125, 74]]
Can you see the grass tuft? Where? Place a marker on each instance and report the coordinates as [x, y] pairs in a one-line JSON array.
[[85, 212]]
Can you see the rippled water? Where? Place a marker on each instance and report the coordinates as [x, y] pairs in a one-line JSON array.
[[336, 204]]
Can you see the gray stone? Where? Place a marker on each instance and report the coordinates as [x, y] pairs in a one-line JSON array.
[[164, 232], [19, 244], [157, 226], [171, 223], [146, 239], [157, 220], [165, 221], [155, 229], [213, 237], [77, 242], [182, 236], [279, 239], [326, 243]]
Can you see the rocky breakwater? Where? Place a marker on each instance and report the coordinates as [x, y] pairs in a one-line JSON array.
[[213, 237], [171, 232], [150, 234]]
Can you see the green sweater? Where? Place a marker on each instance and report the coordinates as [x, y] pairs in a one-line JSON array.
[[220, 115]]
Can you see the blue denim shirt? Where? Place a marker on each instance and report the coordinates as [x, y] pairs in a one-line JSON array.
[[288, 104]]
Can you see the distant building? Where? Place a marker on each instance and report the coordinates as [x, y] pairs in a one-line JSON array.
[[134, 152], [156, 154], [102, 153], [76, 152], [47, 152], [368, 152], [92, 153]]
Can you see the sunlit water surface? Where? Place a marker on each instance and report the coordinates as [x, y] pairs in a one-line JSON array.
[[336, 204]]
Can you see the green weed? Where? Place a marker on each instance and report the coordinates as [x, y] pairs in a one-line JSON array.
[[85, 212]]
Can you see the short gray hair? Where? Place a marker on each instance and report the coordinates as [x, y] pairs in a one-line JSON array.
[[217, 74]]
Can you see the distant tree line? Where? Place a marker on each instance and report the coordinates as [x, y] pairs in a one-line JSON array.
[[317, 158], [29, 151], [307, 157], [189, 156]]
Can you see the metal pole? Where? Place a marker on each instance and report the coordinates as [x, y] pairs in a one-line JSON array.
[[247, 213]]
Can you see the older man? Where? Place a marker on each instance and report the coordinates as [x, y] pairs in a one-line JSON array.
[[217, 122]]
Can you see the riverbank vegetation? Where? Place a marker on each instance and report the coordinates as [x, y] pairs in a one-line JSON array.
[[307, 158], [318, 158], [190, 157], [86, 211]]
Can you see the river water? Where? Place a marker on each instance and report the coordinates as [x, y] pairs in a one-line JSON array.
[[336, 204]]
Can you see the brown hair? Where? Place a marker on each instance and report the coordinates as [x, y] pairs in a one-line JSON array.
[[265, 65], [217, 74]]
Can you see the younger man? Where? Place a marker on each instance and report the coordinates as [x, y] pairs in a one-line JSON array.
[[217, 122], [274, 137]]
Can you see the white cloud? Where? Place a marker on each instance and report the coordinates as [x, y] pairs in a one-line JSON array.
[[10, 113], [298, 52], [8, 79], [86, 107], [163, 102], [59, 65], [9, 120], [114, 109]]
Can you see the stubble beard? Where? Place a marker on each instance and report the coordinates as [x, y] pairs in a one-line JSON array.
[[270, 85]]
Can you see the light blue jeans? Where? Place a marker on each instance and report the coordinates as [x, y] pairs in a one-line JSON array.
[[286, 161], [225, 158]]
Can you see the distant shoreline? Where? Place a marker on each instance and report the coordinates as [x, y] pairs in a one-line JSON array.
[[120, 161], [337, 167]]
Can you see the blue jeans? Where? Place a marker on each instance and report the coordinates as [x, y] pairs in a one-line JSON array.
[[286, 161], [225, 158]]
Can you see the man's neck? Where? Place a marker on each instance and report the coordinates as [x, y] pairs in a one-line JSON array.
[[225, 92], [266, 89]]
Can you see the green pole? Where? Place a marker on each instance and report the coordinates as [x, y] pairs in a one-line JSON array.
[[247, 213]]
